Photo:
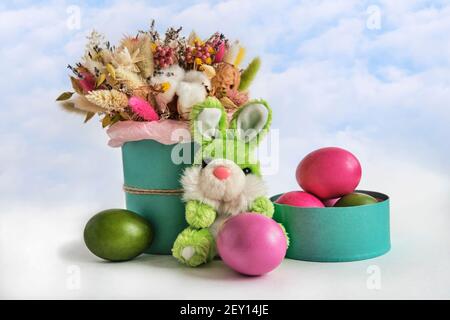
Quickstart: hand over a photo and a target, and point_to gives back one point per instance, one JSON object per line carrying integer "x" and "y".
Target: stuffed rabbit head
{"x": 225, "y": 169}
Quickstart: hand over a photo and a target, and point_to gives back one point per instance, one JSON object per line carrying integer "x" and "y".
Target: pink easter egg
{"x": 330, "y": 202}
{"x": 300, "y": 199}
{"x": 251, "y": 244}
{"x": 329, "y": 173}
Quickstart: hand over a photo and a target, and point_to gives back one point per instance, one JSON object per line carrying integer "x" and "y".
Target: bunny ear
{"x": 208, "y": 120}
{"x": 252, "y": 121}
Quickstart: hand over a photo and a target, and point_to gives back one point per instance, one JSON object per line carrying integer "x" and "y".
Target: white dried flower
{"x": 123, "y": 59}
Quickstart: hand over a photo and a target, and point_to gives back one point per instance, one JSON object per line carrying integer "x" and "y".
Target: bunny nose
{"x": 221, "y": 172}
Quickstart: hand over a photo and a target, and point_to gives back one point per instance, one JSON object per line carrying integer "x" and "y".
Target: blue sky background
{"x": 382, "y": 93}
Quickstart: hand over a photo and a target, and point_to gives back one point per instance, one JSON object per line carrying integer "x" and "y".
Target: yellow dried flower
{"x": 130, "y": 42}
{"x": 208, "y": 70}
{"x": 198, "y": 41}
{"x": 130, "y": 79}
{"x": 165, "y": 86}
{"x": 101, "y": 78}
{"x": 82, "y": 103}
{"x": 111, "y": 100}
{"x": 111, "y": 71}
{"x": 145, "y": 63}
{"x": 239, "y": 57}
{"x": 198, "y": 61}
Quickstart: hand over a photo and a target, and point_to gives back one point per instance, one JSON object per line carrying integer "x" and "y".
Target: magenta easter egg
{"x": 251, "y": 244}
{"x": 330, "y": 202}
{"x": 300, "y": 199}
{"x": 329, "y": 173}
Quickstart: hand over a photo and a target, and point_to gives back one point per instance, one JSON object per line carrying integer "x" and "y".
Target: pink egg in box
{"x": 300, "y": 199}
{"x": 329, "y": 173}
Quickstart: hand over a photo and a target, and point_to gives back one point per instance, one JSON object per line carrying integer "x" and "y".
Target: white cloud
{"x": 418, "y": 37}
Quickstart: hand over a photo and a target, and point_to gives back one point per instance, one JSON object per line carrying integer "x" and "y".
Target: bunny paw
{"x": 262, "y": 205}
{"x": 194, "y": 247}
{"x": 285, "y": 234}
{"x": 199, "y": 215}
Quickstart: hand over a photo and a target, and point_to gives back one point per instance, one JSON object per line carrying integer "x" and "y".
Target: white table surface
{"x": 42, "y": 256}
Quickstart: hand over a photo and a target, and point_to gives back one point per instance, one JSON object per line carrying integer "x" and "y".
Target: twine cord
{"x": 133, "y": 190}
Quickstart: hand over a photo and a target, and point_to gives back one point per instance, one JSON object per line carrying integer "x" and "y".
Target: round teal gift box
{"x": 152, "y": 187}
{"x": 336, "y": 234}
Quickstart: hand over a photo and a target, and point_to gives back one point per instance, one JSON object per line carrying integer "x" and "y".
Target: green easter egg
{"x": 117, "y": 235}
{"x": 355, "y": 199}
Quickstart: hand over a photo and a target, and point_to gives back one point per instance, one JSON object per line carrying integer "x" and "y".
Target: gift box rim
{"x": 383, "y": 197}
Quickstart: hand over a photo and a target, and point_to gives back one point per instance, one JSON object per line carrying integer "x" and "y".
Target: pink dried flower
{"x": 238, "y": 98}
{"x": 164, "y": 56}
{"x": 142, "y": 108}
{"x": 221, "y": 48}
{"x": 87, "y": 81}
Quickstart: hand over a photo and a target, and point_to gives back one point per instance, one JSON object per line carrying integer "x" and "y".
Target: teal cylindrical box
{"x": 149, "y": 167}
{"x": 336, "y": 234}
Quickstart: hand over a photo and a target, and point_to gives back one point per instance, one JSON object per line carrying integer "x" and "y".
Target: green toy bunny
{"x": 225, "y": 179}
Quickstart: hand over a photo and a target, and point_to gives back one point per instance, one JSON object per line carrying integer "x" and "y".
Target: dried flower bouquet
{"x": 148, "y": 77}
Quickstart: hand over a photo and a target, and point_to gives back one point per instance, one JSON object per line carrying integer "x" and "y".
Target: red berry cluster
{"x": 199, "y": 51}
{"x": 164, "y": 56}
